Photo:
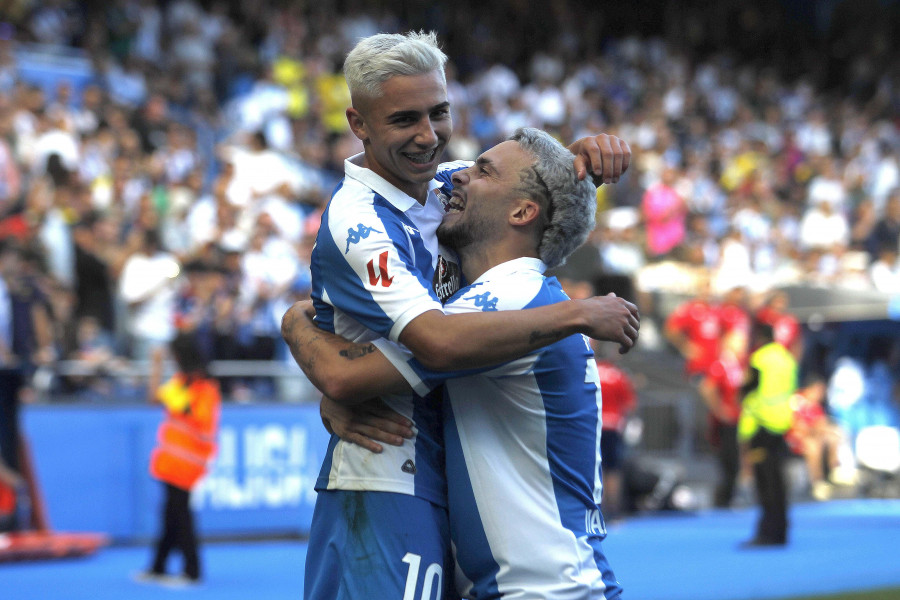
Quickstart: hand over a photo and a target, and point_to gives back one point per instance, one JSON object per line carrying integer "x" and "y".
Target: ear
{"x": 524, "y": 212}
{"x": 357, "y": 124}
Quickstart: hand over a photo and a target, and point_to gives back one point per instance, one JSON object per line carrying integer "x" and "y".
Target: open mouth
{"x": 455, "y": 204}
{"x": 423, "y": 158}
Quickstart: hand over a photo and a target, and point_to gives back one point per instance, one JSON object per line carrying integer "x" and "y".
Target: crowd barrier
{"x": 91, "y": 463}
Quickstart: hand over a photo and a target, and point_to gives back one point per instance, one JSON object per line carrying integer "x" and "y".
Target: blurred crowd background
{"x": 163, "y": 164}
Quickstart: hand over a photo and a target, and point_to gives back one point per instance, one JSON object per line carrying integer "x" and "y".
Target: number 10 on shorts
{"x": 432, "y": 588}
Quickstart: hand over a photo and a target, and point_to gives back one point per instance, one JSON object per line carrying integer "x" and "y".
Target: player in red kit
{"x": 734, "y": 318}
{"x": 720, "y": 389}
{"x": 619, "y": 401}
{"x": 785, "y": 326}
{"x": 694, "y": 328}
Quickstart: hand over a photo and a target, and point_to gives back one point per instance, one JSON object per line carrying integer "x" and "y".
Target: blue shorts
{"x": 365, "y": 545}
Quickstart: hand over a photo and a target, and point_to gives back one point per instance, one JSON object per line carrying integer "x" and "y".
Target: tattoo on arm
{"x": 357, "y": 351}
{"x": 542, "y": 336}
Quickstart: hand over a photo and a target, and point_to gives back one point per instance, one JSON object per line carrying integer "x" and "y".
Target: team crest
{"x": 444, "y": 198}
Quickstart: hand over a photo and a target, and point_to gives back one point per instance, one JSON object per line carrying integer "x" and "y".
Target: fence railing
{"x": 670, "y": 417}
{"x": 123, "y": 380}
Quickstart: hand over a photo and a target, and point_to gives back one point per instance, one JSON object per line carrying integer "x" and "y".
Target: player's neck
{"x": 476, "y": 259}
{"x": 418, "y": 191}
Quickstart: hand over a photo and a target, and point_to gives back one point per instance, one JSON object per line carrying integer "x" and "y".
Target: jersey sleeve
{"x": 446, "y": 170}
{"x": 419, "y": 377}
{"x": 371, "y": 264}
{"x": 472, "y": 299}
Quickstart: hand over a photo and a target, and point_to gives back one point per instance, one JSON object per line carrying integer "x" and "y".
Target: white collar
{"x": 401, "y": 200}
{"x": 524, "y": 263}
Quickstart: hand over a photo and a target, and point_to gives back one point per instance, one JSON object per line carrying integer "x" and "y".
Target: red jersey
{"x": 701, "y": 323}
{"x": 785, "y": 327}
{"x": 727, "y": 374}
{"x": 734, "y": 318}
{"x": 618, "y": 395}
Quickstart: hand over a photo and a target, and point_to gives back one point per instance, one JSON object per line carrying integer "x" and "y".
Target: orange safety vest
{"x": 187, "y": 438}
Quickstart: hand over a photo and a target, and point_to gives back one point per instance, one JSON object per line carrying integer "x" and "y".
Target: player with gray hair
{"x": 529, "y": 427}
{"x": 572, "y": 210}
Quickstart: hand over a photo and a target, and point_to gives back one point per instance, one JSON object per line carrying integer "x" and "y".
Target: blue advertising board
{"x": 91, "y": 463}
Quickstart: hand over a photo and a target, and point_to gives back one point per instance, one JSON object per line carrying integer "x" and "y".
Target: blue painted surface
{"x": 92, "y": 465}
{"x": 835, "y": 546}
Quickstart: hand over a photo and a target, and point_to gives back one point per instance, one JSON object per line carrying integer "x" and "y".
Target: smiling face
{"x": 485, "y": 196}
{"x": 405, "y": 130}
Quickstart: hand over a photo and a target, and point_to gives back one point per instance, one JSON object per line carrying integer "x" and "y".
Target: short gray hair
{"x": 377, "y": 58}
{"x": 571, "y": 205}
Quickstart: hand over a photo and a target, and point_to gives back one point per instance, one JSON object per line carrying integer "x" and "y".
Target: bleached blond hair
{"x": 377, "y": 58}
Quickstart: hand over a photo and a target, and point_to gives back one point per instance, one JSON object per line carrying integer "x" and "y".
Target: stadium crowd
{"x": 177, "y": 182}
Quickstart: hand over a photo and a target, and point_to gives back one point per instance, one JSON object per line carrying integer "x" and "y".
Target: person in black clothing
{"x": 886, "y": 232}
{"x": 93, "y": 280}
{"x": 25, "y": 343}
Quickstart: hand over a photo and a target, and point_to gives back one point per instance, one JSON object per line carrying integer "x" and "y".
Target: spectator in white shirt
{"x": 147, "y": 286}
{"x": 885, "y": 271}
{"x": 822, "y": 227}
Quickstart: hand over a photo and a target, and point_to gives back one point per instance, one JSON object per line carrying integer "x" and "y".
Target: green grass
{"x": 885, "y": 594}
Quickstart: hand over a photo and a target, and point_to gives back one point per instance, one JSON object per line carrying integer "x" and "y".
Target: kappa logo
{"x": 484, "y": 301}
{"x": 411, "y": 230}
{"x": 382, "y": 274}
{"x": 361, "y": 233}
{"x": 409, "y": 467}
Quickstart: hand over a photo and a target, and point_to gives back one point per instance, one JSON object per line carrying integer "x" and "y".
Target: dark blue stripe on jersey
{"x": 417, "y": 255}
{"x": 573, "y": 424}
{"x": 477, "y": 557}
{"x": 430, "y": 447}
{"x": 572, "y": 417}
{"x": 613, "y": 588}
{"x": 324, "y": 311}
{"x": 325, "y": 471}
{"x": 331, "y": 273}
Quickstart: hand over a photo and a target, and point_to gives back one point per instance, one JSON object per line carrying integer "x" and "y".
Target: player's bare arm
{"x": 472, "y": 340}
{"x": 346, "y": 371}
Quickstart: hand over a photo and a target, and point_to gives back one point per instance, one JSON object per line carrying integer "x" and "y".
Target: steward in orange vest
{"x": 186, "y": 439}
{"x": 186, "y": 444}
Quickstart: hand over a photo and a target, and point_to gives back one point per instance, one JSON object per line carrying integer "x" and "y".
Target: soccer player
{"x": 786, "y": 328}
{"x": 377, "y": 272}
{"x": 522, "y": 438}
{"x": 720, "y": 389}
{"x": 694, "y": 328}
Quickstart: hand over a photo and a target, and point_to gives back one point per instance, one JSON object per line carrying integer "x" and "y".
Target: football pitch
{"x": 838, "y": 550}
{"x": 884, "y": 594}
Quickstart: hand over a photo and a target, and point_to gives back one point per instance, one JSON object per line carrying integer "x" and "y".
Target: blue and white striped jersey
{"x": 373, "y": 270}
{"x": 523, "y": 456}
